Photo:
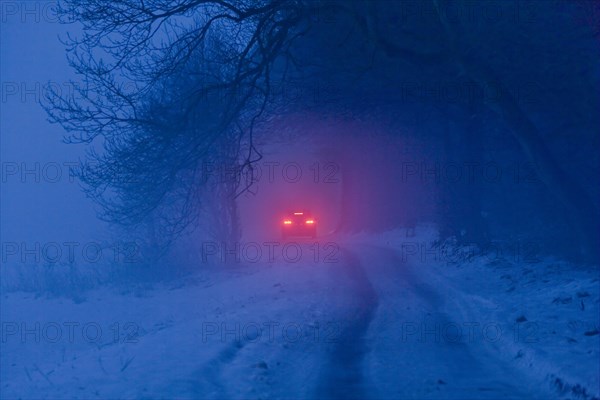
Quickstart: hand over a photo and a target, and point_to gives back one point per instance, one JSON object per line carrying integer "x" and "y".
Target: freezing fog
{"x": 299, "y": 199}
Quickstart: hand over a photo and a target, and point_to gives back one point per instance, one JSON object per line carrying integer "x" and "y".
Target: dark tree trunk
{"x": 460, "y": 198}
{"x": 347, "y": 196}
{"x": 474, "y": 225}
{"x": 580, "y": 211}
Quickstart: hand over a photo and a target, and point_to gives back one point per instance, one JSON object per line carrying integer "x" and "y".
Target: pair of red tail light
{"x": 289, "y": 221}
{"x": 297, "y": 214}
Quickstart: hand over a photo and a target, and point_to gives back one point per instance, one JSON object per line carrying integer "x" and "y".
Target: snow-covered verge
{"x": 550, "y": 312}
{"x": 218, "y": 334}
{"x": 57, "y": 279}
{"x": 537, "y": 316}
{"x": 373, "y": 316}
{"x": 65, "y": 270}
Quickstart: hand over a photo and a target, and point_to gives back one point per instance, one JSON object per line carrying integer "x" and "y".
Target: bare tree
{"x": 133, "y": 52}
{"x": 168, "y": 87}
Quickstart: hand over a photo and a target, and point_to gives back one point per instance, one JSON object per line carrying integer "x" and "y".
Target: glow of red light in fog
{"x": 298, "y": 213}
{"x": 287, "y": 222}
{"x": 310, "y": 221}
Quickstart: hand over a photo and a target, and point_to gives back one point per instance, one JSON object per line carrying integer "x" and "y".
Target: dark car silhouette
{"x": 299, "y": 224}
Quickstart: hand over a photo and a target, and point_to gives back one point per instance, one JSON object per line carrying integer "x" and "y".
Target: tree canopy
{"x": 167, "y": 85}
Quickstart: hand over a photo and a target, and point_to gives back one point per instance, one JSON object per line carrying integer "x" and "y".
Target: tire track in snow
{"x": 206, "y": 382}
{"x": 468, "y": 369}
{"x": 343, "y": 376}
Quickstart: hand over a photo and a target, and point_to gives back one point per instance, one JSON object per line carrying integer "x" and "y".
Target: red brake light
{"x": 310, "y": 221}
{"x": 287, "y": 222}
{"x": 298, "y": 213}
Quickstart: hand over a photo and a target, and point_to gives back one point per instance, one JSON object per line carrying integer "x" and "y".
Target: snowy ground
{"x": 370, "y": 318}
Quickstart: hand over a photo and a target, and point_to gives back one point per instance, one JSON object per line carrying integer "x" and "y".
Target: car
{"x": 299, "y": 223}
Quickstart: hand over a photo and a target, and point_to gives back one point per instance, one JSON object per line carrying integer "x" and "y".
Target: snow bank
{"x": 540, "y": 316}
{"x": 224, "y": 333}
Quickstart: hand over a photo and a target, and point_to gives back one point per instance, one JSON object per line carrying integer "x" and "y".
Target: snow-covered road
{"x": 343, "y": 377}
{"x": 365, "y": 325}
{"x": 419, "y": 345}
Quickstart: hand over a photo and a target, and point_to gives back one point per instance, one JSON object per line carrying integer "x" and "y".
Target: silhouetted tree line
{"x": 171, "y": 84}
